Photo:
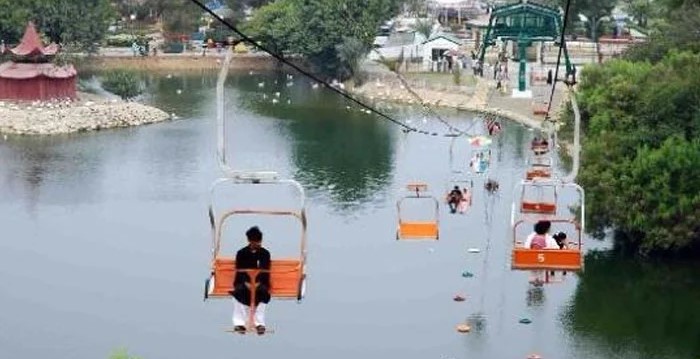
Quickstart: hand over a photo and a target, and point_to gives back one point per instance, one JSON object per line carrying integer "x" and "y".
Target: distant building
{"x": 31, "y": 75}
{"x": 456, "y": 11}
{"x": 436, "y": 48}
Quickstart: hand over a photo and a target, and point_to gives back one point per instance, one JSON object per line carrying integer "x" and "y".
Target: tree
{"x": 314, "y": 28}
{"x": 424, "y": 27}
{"x": 180, "y": 16}
{"x": 416, "y": 7}
{"x": 83, "y": 23}
{"x": 123, "y": 83}
{"x": 642, "y": 157}
{"x": 274, "y": 26}
{"x": 595, "y": 11}
{"x": 677, "y": 29}
{"x": 641, "y": 10}
{"x": 12, "y": 23}
{"x": 350, "y": 52}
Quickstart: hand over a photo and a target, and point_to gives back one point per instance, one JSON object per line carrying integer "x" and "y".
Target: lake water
{"x": 106, "y": 243}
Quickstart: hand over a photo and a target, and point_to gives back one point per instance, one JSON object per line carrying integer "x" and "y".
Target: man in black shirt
{"x": 453, "y": 199}
{"x": 252, "y": 256}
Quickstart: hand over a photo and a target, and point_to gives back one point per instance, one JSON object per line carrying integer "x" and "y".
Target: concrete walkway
{"x": 521, "y": 109}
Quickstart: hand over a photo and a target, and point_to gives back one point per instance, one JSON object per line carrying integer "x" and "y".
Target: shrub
{"x": 123, "y": 83}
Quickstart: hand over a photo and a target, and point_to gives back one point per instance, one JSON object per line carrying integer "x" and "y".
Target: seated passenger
{"x": 479, "y": 163}
{"x": 454, "y": 198}
{"x": 494, "y": 128}
{"x": 561, "y": 239}
{"x": 540, "y": 238}
{"x": 466, "y": 201}
{"x": 252, "y": 256}
{"x": 491, "y": 186}
{"x": 539, "y": 146}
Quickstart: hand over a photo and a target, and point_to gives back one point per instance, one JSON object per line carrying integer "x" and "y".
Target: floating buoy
{"x": 525, "y": 321}
{"x": 473, "y": 250}
{"x": 463, "y": 328}
{"x": 467, "y": 274}
{"x": 459, "y": 298}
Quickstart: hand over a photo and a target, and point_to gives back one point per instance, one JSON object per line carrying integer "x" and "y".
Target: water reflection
{"x": 185, "y": 95}
{"x": 336, "y": 149}
{"x": 50, "y": 170}
{"x": 652, "y": 306}
{"x": 143, "y": 237}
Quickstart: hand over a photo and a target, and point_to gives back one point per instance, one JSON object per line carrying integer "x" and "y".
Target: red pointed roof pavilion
{"x": 31, "y": 76}
{"x": 31, "y": 44}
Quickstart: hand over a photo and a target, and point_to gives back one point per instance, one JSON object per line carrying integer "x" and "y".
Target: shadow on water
{"x": 627, "y": 302}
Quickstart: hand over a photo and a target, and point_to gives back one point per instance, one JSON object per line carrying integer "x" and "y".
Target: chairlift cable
{"x": 342, "y": 93}
{"x": 456, "y": 131}
{"x": 561, "y": 49}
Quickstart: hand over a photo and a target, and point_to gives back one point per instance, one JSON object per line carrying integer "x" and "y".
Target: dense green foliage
{"x": 677, "y": 29}
{"x": 316, "y": 28}
{"x": 595, "y": 11}
{"x": 82, "y": 23}
{"x": 654, "y": 309}
{"x": 641, "y": 165}
{"x": 12, "y": 23}
{"x": 123, "y": 83}
{"x": 641, "y": 151}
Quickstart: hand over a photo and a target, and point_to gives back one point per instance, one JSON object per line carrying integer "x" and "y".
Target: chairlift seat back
{"x": 286, "y": 277}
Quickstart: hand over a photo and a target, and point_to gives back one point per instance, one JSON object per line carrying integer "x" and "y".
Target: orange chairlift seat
{"x": 538, "y": 77}
{"x": 568, "y": 259}
{"x": 539, "y": 146}
{"x": 418, "y": 230}
{"x": 541, "y": 204}
{"x": 539, "y": 167}
{"x": 287, "y": 275}
{"x": 539, "y": 108}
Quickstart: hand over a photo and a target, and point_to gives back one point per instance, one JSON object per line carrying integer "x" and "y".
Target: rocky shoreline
{"x": 476, "y": 100}
{"x": 88, "y": 113}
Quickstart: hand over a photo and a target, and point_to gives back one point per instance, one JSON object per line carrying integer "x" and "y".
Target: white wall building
{"x": 435, "y": 47}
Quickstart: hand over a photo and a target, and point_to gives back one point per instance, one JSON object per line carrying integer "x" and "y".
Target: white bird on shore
{"x": 169, "y": 76}
{"x": 4, "y": 137}
{"x": 179, "y": 92}
{"x": 250, "y": 72}
{"x": 261, "y": 84}
{"x": 289, "y": 101}
{"x": 277, "y": 94}
{"x": 314, "y": 86}
{"x": 274, "y": 100}
{"x": 264, "y": 96}
{"x": 290, "y": 84}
